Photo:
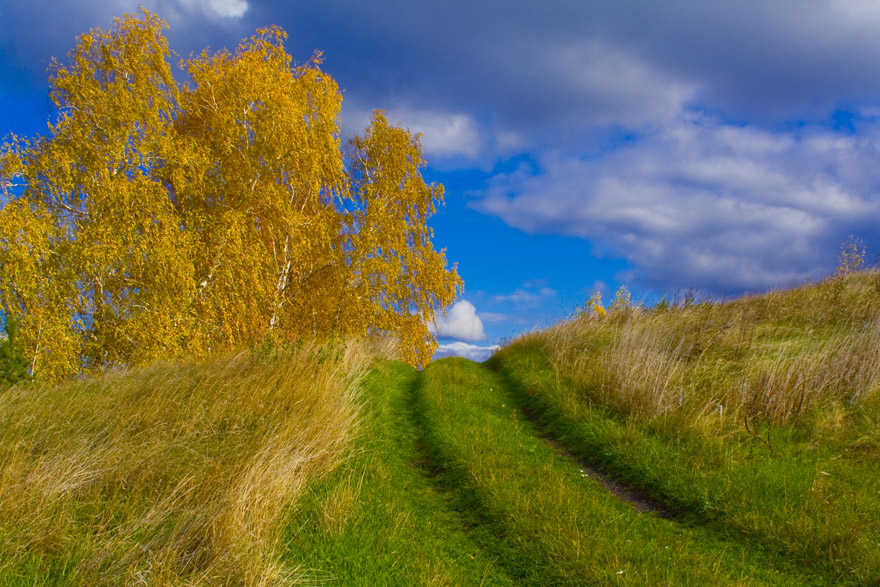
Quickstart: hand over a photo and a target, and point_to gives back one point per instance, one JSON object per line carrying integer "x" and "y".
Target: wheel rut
{"x": 628, "y": 493}
{"x": 625, "y": 492}
{"x": 511, "y": 477}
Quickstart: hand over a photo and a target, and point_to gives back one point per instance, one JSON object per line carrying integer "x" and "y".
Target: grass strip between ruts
{"x": 382, "y": 518}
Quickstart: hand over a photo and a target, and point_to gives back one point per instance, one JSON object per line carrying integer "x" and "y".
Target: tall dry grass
{"x": 770, "y": 358}
{"x": 174, "y": 473}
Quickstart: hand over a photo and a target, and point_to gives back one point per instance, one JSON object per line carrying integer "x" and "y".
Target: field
{"x": 694, "y": 443}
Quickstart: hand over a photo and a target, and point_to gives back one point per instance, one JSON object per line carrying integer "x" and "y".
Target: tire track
{"x": 543, "y": 418}
{"x": 627, "y": 493}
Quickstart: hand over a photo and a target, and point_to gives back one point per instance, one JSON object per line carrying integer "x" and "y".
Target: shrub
{"x": 593, "y": 307}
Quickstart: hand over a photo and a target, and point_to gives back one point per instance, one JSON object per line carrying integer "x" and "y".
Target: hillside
{"x": 757, "y": 418}
{"x": 176, "y": 473}
{"x": 700, "y": 443}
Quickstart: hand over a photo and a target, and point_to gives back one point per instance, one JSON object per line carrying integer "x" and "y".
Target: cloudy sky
{"x": 728, "y": 147}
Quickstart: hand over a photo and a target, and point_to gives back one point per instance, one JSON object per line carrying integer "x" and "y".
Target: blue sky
{"x": 727, "y": 147}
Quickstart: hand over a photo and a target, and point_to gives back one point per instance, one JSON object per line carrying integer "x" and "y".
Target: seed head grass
{"x": 778, "y": 358}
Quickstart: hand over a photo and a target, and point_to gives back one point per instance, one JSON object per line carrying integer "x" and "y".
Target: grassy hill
{"x": 702, "y": 443}
{"x": 757, "y": 418}
{"x": 177, "y": 473}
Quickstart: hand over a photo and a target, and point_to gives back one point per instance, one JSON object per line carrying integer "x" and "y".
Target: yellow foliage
{"x": 622, "y": 299}
{"x": 159, "y": 218}
{"x": 594, "y": 306}
{"x": 390, "y": 243}
{"x": 852, "y": 256}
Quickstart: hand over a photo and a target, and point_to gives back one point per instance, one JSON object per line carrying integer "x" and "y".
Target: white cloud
{"x": 176, "y": 12}
{"x": 704, "y": 203}
{"x": 468, "y": 351}
{"x": 213, "y": 8}
{"x": 528, "y": 295}
{"x": 228, "y": 8}
{"x": 445, "y": 134}
{"x": 461, "y": 322}
{"x": 613, "y": 86}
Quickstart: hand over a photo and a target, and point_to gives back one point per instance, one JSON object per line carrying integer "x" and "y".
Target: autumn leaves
{"x": 159, "y": 218}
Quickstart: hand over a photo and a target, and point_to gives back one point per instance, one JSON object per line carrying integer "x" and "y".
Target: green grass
{"x": 804, "y": 484}
{"x": 546, "y": 521}
{"x": 450, "y": 484}
{"x": 383, "y": 518}
{"x": 756, "y": 422}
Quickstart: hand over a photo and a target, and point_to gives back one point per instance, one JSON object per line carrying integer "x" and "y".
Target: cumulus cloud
{"x": 461, "y": 322}
{"x": 468, "y": 351}
{"x": 593, "y": 83}
{"x": 550, "y": 65}
{"x": 705, "y": 203}
{"x": 193, "y": 25}
{"x": 444, "y": 134}
{"x": 179, "y": 9}
{"x": 228, "y": 8}
{"x": 187, "y": 12}
{"x": 549, "y": 71}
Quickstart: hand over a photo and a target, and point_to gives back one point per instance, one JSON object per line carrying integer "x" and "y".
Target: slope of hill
{"x": 176, "y": 473}
{"x": 758, "y": 417}
{"x": 747, "y": 433}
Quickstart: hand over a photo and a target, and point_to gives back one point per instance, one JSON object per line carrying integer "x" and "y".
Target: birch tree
{"x": 158, "y": 218}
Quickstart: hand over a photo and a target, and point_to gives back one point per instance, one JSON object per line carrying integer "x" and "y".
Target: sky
{"x": 724, "y": 147}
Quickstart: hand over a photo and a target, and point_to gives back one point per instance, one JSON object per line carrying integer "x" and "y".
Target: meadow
{"x": 690, "y": 443}
{"x": 756, "y": 418}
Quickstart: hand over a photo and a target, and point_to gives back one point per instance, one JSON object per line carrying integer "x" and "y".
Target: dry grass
{"x": 175, "y": 473}
{"x": 770, "y": 358}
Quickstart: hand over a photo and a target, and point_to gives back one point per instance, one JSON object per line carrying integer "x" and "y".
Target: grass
{"x": 176, "y": 473}
{"x": 382, "y": 518}
{"x": 756, "y": 422}
{"x": 543, "y": 517}
{"x": 756, "y": 418}
{"x": 779, "y": 358}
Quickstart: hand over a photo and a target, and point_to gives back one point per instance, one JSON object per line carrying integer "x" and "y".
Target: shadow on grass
{"x": 451, "y": 480}
{"x": 553, "y": 427}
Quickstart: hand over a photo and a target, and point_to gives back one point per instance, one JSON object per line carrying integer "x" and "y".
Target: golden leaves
{"x": 392, "y": 257}
{"x": 159, "y": 219}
